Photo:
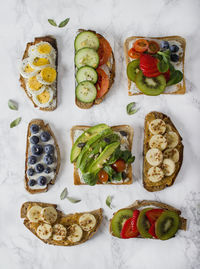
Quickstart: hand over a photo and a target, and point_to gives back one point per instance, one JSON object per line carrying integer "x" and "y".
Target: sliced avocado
{"x": 75, "y": 151}
{"x": 98, "y": 163}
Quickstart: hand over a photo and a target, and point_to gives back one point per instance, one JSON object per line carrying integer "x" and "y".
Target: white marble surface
{"x": 20, "y": 22}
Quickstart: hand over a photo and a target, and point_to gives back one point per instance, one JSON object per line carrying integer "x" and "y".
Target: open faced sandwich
{"x": 38, "y": 72}
{"x": 94, "y": 67}
{"x": 147, "y": 219}
{"x": 155, "y": 65}
{"x": 42, "y": 157}
{"x": 56, "y": 228}
{"x": 102, "y": 154}
{"x": 163, "y": 152}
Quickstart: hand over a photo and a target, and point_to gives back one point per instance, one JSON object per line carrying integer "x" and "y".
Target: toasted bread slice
{"x": 53, "y": 43}
{"x": 167, "y": 180}
{"x": 65, "y": 220}
{"x": 110, "y": 67}
{"x": 174, "y": 89}
{"x": 44, "y": 127}
{"x": 126, "y": 128}
{"x": 146, "y": 203}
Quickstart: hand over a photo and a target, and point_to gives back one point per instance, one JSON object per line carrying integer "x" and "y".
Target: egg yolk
{"x": 48, "y": 74}
{"x": 44, "y": 97}
{"x": 44, "y": 49}
{"x": 40, "y": 61}
{"x": 34, "y": 84}
{"x": 28, "y": 69}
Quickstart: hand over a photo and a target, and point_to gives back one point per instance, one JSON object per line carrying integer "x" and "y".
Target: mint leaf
{"x": 12, "y": 105}
{"x": 108, "y": 201}
{"x": 15, "y": 122}
{"x": 63, "y": 194}
{"x": 52, "y": 22}
{"x": 73, "y": 200}
{"x": 175, "y": 78}
{"x": 130, "y": 108}
{"x": 64, "y": 23}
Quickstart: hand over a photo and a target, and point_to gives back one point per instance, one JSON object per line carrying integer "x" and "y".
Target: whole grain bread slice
{"x": 65, "y": 219}
{"x": 166, "y": 181}
{"x": 44, "y": 127}
{"x": 53, "y": 42}
{"x": 126, "y": 128}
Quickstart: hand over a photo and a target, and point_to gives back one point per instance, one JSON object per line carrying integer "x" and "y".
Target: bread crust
{"x": 166, "y": 181}
{"x": 180, "y": 89}
{"x": 64, "y": 219}
{"x": 126, "y": 128}
{"x": 44, "y": 127}
{"x": 53, "y": 42}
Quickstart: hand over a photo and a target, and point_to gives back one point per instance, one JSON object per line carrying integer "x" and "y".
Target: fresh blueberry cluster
{"x": 173, "y": 49}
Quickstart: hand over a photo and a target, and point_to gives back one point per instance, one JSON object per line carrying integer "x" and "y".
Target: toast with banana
{"x": 163, "y": 152}
{"x": 147, "y": 219}
{"x": 54, "y": 227}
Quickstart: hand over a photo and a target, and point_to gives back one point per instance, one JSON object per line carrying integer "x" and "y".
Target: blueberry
{"x": 32, "y": 182}
{"x": 32, "y": 159}
{"x": 107, "y": 140}
{"x": 39, "y": 168}
{"x": 174, "y": 57}
{"x": 42, "y": 181}
{"x": 173, "y": 48}
{"x": 31, "y": 171}
{"x": 48, "y": 159}
{"x": 49, "y": 149}
{"x": 37, "y": 149}
{"x": 47, "y": 170}
{"x": 123, "y": 133}
{"x": 164, "y": 45}
{"x": 34, "y": 128}
{"x": 45, "y": 136}
{"x": 81, "y": 145}
{"x": 34, "y": 139}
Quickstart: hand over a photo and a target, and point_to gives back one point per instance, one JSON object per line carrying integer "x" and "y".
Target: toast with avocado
{"x": 94, "y": 68}
{"x": 163, "y": 152}
{"x": 147, "y": 219}
{"x": 102, "y": 154}
{"x": 155, "y": 65}
{"x": 54, "y": 227}
{"x": 38, "y": 72}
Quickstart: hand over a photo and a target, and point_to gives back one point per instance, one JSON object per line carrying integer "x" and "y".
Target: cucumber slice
{"x": 86, "y": 56}
{"x": 86, "y": 92}
{"x": 86, "y": 40}
{"x": 86, "y": 73}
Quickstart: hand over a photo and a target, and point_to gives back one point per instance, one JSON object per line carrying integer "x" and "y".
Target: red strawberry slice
{"x": 152, "y": 230}
{"x": 134, "y": 220}
{"x": 154, "y": 214}
{"x": 129, "y": 229}
{"x": 167, "y": 75}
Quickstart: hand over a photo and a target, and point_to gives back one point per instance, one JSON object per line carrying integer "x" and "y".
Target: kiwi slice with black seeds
{"x": 119, "y": 219}
{"x": 167, "y": 225}
{"x": 143, "y": 224}
{"x": 133, "y": 69}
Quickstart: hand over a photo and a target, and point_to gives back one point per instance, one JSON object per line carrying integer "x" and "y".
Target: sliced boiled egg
{"x": 26, "y": 70}
{"x": 47, "y": 75}
{"x": 34, "y": 86}
{"x": 40, "y": 62}
{"x": 45, "y": 98}
{"x": 42, "y": 49}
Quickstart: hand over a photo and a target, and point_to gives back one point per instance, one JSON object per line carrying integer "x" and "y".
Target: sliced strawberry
{"x": 127, "y": 231}
{"x": 152, "y": 230}
{"x": 151, "y": 75}
{"x": 147, "y": 60}
{"x": 134, "y": 220}
{"x": 167, "y": 75}
{"x": 154, "y": 214}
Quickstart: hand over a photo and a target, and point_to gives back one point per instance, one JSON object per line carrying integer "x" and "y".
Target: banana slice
{"x": 33, "y": 213}
{"x": 154, "y": 157}
{"x": 49, "y": 214}
{"x": 59, "y": 232}
{"x": 44, "y": 231}
{"x": 157, "y": 126}
{"x": 158, "y": 141}
{"x": 87, "y": 222}
{"x": 155, "y": 174}
{"x": 172, "y": 154}
{"x": 172, "y": 139}
{"x": 168, "y": 128}
{"x": 168, "y": 167}
{"x": 75, "y": 233}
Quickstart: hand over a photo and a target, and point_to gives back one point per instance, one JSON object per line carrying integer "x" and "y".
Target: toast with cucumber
{"x": 102, "y": 154}
{"x": 54, "y": 227}
{"x": 94, "y": 68}
{"x": 163, "y": 152}
{"x": 147, "y": 219}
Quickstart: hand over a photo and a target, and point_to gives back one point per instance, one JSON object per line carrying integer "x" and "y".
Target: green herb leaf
{"x": 130, "y": 108}
{"x": 52, "y": 22}
{"x": 109, "y": 171}
{"x": 115, "y": 156}
{"x": 90, "y": 178}
{"x": 108, "y": 201}
{"x": 118, "y": 176}
{"x": 73, "y": 200}
{"x": 12, "y": 105}
{"x": 163, "y": 65}
{"x": 15, "y": 122}
{"x": 175, "y": 78}
{"x": 131, "y": 159}
{"x": 171, "y": 68}
{"x": 63, "y": 194}
{"x": 64, "y": 23}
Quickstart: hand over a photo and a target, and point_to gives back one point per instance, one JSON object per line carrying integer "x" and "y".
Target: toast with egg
{"x": 56, "y": 228}
{"x": 165, "y": 144}
{"x": 52, "y": 104}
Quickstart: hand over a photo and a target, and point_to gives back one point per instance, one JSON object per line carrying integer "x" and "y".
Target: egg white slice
{"x": 35, "y": 92}
{"x": 34, "y": 62}
{"x": 42, "y": 75}
{"x": 45, "y": 98}
{"x": 25, "y": 69}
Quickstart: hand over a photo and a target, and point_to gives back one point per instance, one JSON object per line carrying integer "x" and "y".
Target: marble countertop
{"x": 23, "y": 20}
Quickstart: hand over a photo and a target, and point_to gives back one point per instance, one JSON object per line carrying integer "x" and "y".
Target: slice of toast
{"x": 178, "y": 88}
{"x": 44, "y": 127}
{"x": 111, "y": 67}
{"x": 62, "y": 218}
{"x": 126, "y": 128}
{"x": 146, "y": 203}
{"x": 53, "y": 43}
{"x": 167, "y": 180}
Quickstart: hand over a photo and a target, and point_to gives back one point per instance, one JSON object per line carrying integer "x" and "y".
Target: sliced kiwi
{"x": 119, "y": 219}
{"x": 150, "y": 86}
{"x": 167, "y": 225}
{"x": 133, "y": 69}
{"x": 143, "y": 224}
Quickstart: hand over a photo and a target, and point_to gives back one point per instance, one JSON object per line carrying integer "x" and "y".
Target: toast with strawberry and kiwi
{"x": 56, "y": 228}
{"x": 163, "y": 152}
{"x": 38, "y": 72}
{"x": 155, "y": 65}
{"x": 42, "y": 162}
{"x": 147, "y": 219}
{"x": 102, "y": 154}
{"x": 94, "y": 68}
